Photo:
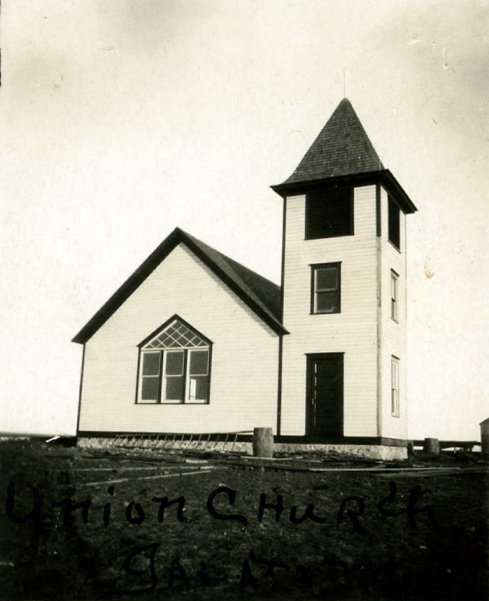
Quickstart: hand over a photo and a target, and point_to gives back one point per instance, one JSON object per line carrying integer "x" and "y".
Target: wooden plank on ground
{"x": 203, "y": 470}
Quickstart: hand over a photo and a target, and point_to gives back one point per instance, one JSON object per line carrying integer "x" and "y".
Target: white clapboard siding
{"x": 393, "y": 340}
{"x": 352, "y": 332}
{"x": 244, "y": 372}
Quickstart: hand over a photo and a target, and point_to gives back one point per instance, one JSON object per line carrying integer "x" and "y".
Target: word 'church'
{"x": 195, "y": 343}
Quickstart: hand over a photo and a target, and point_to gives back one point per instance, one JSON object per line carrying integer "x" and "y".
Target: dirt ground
{"x": 158, "y": 525}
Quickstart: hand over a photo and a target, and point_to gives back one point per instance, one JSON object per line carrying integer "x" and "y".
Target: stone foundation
{"x": 114, "y": 444}
{"x": 337, "y": 451}
{"x": 348, "y": 451}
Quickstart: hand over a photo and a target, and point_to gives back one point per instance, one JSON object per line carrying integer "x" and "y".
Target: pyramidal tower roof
{"x": 343, "y": 151}
{"x": 341, "y": 148}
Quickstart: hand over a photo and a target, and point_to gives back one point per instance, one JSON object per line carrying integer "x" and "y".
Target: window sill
{"x": 394, "y": 246}
{"x": 307, "y": 238}
{"x": 156, "y": 404}
{"x": 325, "y": 313}
{"x": 186, "y": 403}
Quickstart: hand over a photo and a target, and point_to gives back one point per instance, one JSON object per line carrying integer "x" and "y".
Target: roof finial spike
{"x": 344, "y": 82}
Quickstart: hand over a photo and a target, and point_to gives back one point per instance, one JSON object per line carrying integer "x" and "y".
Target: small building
{"x": 194, "y": 342}
{"x": 485, "y": 436}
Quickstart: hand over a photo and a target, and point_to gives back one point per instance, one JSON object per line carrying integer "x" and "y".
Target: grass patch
{"x": 365, "y": 535}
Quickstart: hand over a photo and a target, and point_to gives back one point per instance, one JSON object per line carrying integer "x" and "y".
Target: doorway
{"x": 325, "y": 394}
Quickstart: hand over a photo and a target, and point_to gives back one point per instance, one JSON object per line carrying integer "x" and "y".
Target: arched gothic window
{"x": 174, "y": 365}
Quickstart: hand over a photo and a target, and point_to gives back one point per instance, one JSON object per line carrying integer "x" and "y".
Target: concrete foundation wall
{"x": 353, "y": 451}
{"x": 349, "y": 451}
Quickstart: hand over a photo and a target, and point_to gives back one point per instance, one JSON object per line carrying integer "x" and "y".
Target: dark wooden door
{"x": 325, "y": 394}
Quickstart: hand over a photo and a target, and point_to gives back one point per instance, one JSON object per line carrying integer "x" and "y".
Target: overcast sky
{"x": 123, "y": 119}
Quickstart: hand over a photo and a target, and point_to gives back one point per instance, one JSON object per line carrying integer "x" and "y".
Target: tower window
{"x": 329, "y": 213}
{"x": 394, "y": 223}
{"x": 394, "y": 296}
{"x": 326, "y": 288}
{"x": 395, "y": 409}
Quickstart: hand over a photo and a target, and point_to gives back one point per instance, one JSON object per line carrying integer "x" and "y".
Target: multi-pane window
{"x": 326, "y": 288}
{"x": 394, "y": 223}
{"x": 329, "y": 213}
{"x": 198, "y": 379}
{"x": 394, "y": 296}
{"x": 395, "y": 409}
{"x": 174, "y": 376}
{"x": 175, "y": 366}
{"x": 150, "y": 376}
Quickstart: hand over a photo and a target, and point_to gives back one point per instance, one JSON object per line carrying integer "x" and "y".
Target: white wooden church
{"x": 194, "y": 342}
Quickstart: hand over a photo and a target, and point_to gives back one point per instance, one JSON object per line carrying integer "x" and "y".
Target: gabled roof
{"x": 261, "y": 295}
{"x": 342, "y": 150}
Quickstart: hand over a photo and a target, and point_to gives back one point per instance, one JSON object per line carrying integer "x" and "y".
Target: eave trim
{"x": 384, "y": 176}
{"x": 146, "y": 269}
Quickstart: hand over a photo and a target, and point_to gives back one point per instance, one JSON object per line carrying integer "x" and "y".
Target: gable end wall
{"x": 243, "y": 388}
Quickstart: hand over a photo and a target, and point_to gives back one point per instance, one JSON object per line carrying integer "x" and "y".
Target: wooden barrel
{"x": 431, "y": 446}
{"x": 262, "y": 442}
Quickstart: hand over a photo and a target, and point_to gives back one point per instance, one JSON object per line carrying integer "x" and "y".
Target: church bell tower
{"x": 343, "y": 362}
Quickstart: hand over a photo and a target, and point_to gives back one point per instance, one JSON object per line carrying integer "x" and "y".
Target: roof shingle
{"x": 341, "y": 148}
{"x": 261, "y": 295}
{"x": 265, "y": 292}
